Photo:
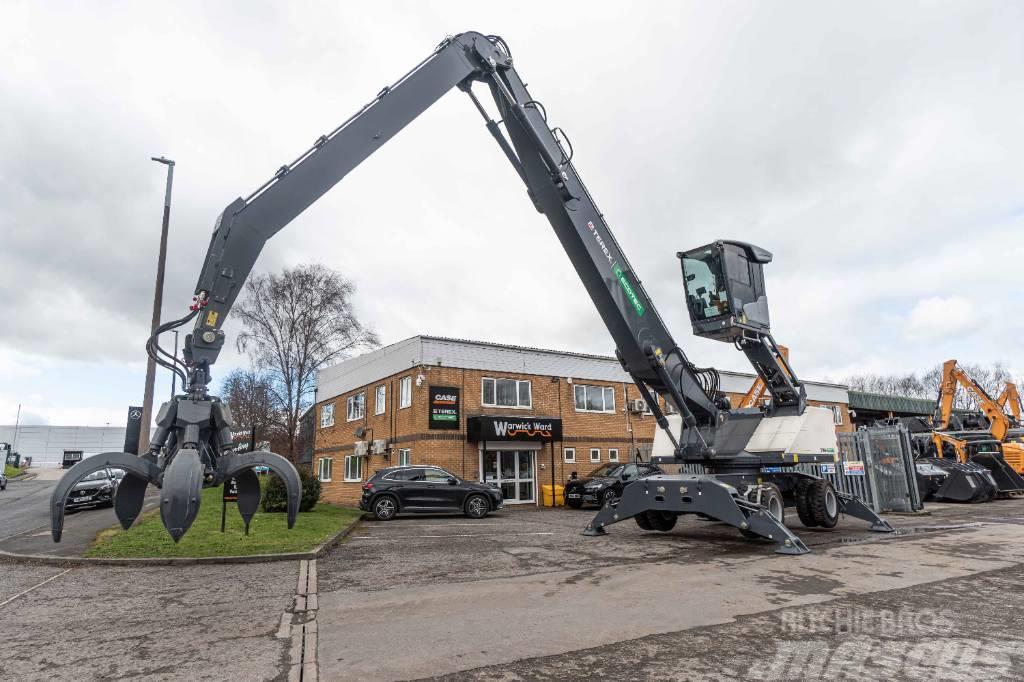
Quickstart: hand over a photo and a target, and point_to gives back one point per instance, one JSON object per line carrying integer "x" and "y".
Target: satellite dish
{"x": 360, "y": 432}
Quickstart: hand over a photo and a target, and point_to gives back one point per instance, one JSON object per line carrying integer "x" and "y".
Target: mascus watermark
{"x": 875, "y": 622}
{"x": 868, "y": 658}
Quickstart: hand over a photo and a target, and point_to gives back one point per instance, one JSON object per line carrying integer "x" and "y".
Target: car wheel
{"x": 575, "y": 503}
{"x": 609, "y": 498}
{"x": 477, "y": 507}
{"x": 824, "y": 503}
{"x": 385, "y": 508}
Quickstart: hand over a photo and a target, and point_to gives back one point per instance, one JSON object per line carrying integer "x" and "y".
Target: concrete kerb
{"x": 53, "y": 560}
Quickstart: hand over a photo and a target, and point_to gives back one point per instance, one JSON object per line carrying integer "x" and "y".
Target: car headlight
{"x": 593, "y": 486}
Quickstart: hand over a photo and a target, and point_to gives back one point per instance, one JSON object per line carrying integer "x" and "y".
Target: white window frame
{"x": 330, "y": 469}
{"x": 592, "y": 452}
{"x": 494, "y": 403}
{"x": 404, "y": 392}
{"x": 353, "y": 400}
{"x": 381, "y": 399}
{"x": 405, "y": 457}
{"x": 613, "y": 454}
{"x": 353, "y": 465}
{"x": 326, "y": 415}
{"x": 569, "y": 455}
{"x": 604, "y": 398}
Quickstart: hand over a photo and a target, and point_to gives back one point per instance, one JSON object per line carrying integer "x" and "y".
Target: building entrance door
{"x": 513, "y": 472}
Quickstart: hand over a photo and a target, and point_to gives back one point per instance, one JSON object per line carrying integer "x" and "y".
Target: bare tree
{"x": 927, "y": 385}
{"x": 295, "y": 323}
{"x": 250, "y": 394}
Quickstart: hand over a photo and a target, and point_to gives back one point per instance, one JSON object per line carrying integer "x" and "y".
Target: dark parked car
{"x": 604, "y": 484}
{"x": 426, "y": 490}
{"x": 96, "y": 489}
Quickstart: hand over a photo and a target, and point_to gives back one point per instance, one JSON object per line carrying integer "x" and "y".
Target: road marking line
{"x": 52, "y": 577}
{"x": 454, "y": 535}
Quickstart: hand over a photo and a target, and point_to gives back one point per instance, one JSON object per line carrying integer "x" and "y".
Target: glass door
{"x": 512, "y": 471}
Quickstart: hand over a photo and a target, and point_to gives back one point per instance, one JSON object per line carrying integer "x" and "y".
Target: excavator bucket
{"x": 946, "y": 480}
{"x": 1007, "y": 480}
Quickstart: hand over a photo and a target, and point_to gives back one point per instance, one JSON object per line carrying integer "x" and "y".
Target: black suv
{"x": 425, "y": 490}
{"x": 604, "y": 484}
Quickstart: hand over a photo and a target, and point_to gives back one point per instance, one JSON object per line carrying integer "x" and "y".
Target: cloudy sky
{"x": 875, "y": 148}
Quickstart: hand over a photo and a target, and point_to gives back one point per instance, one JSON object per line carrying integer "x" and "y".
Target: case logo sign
{"x": 618, "y": 271}
{"x": 444, "y": 408}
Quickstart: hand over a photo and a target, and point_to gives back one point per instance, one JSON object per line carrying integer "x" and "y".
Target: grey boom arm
{"x": 644, "y": 345}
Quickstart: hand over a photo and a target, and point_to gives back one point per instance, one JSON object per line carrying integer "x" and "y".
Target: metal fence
{"x": 876, "y": 465}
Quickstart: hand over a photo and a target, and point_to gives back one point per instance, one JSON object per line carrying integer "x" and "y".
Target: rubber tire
{"x": 477, "y": 515}
{"x": 818, "y": 493}
{"x": 803, "y": 504}
{"x": 642, "y": 521}
{"x": 376, "y": 508}
{"x": 610, "y": 493}
{"x": 575, "y": 504}
{"x": 662, "y": 521}
{"x": 766, "y": 497}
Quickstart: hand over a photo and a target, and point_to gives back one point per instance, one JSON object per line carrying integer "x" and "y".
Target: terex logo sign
{"x": 618, "y": 272}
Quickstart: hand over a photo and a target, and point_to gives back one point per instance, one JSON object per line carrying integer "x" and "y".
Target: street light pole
{"x": 158, "y": 297}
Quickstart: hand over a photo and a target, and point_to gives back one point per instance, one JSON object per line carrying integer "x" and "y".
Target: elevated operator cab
{"x": 725, "y": 290}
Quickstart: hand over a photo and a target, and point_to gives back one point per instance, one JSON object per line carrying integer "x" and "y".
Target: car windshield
{"x": 610, "y": 470}
{"x": 101, "y": 475}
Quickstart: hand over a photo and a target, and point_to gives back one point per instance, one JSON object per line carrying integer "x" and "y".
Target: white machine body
{"x": 811, "y": 433}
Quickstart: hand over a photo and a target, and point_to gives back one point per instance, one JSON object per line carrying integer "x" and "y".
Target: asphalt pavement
{"x": 522, "y": 595}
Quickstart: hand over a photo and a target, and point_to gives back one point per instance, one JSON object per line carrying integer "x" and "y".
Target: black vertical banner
{"x": 444, "y": 408}
{"x": 134, "y": 428}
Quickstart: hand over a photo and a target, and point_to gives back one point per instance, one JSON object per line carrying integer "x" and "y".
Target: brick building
{"x": 518, "y": 417}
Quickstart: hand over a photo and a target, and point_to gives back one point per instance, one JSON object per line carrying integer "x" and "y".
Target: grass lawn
{"x": 10, "y": 471}
{"x": 268, "y": 533}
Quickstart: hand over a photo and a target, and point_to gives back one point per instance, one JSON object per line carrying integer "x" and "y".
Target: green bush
{"x": 275, "y": 496}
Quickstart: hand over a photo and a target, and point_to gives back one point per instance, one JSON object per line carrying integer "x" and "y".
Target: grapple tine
{"x": 248, "y": 495}
{"x": 230, "y": 465}
{"x": 132, "y": 464}
{"x": 179, "y": 497}
{"x": 128, "y": 499}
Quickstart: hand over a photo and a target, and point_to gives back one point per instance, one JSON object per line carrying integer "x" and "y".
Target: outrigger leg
{"x": 661, "y": 499}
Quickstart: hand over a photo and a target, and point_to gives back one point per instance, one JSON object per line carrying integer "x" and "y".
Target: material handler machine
{"x": 748, "y": 453}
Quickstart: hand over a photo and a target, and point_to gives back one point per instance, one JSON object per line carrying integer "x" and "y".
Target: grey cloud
{"x": 860, "y": 143}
